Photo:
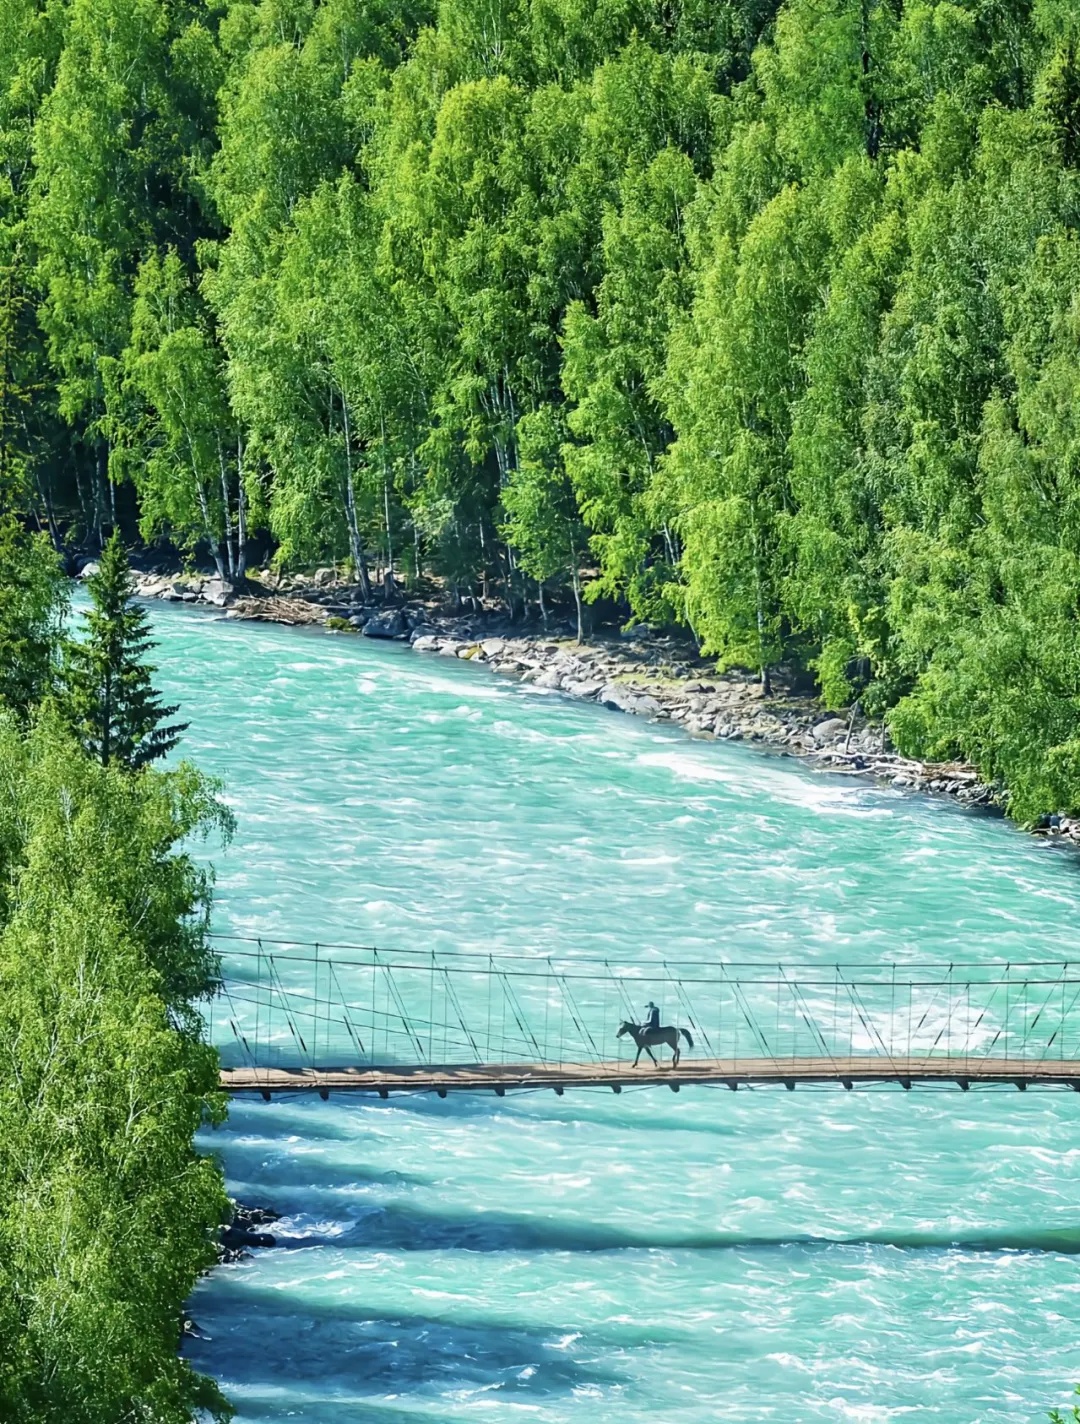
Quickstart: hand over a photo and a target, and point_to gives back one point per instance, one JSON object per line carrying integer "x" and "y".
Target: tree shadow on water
{"x": 400, "y": 1225}
{"x": 285, "y": 1120}
{"x": 272, "y": 1168}
{"x": 269, "y": 1407}
{"x": 403, "y": 1226}
{"x": 272, "y": 1340}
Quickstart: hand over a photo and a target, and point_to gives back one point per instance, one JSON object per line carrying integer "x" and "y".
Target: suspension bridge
{"x": 293, "y": 1017}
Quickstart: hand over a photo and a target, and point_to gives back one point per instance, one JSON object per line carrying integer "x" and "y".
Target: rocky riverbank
{"x": 242, "y": 1232}
{"x": 237, "y": 1237}
{"x": 639, "y": 672}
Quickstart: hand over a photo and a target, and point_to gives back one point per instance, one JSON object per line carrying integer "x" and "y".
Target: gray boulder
{"x": 217, "y": 592}
{"x": 424, "y": 642}
{"x": 581, "y": 689}
{"x": 388, "y": 624}
{"x": 622, "y": 699}
{"x": 830, "y": 729}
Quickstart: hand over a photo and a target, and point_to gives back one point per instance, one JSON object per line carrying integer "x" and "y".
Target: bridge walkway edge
{"x": 906, "y": 1072}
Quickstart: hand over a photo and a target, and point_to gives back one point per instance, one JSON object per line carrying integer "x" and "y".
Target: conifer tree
{"x": 108, "y": 693}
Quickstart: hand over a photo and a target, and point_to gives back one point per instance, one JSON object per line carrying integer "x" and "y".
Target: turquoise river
{"x": 764, "y": 1255}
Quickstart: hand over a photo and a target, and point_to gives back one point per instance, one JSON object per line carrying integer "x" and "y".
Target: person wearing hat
{"x": 652, "y": 1023}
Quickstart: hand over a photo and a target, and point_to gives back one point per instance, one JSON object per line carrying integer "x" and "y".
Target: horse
{"x": 646, "y": 1038}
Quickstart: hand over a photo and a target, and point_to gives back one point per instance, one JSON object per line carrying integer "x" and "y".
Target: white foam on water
{"x": 650, "y": 1255}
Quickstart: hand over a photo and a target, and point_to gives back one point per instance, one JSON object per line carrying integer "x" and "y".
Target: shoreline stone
{"x": 240, "y": 1233}
{"x": 658, "y": 677}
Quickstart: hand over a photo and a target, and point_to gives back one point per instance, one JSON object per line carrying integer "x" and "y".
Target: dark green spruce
{"x": 108, "y": 694}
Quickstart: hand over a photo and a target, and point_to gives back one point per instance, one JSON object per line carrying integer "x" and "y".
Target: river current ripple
{"x": 712, "y": 1256}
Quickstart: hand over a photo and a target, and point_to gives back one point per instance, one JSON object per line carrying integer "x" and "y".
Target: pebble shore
{"x": 639, "y": 672}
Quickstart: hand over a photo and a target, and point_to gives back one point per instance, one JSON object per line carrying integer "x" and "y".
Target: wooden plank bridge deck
{"x": 942, "y": 1070}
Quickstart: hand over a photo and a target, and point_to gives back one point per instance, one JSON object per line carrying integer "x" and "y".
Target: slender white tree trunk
{"x": 241, "y": 514}
{"x": 356, "y": 548}
{"x": 576, "y": 575}
{"x": 226, "y": 502}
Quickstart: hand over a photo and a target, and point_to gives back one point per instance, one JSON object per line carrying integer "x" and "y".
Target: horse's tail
{"x": 686, "y": 1034}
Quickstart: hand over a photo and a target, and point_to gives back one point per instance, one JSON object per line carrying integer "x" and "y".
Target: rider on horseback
{"x": 649, "y": 1034}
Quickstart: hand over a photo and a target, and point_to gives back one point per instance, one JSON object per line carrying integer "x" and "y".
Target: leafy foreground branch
{"x": 107, "y": 1212}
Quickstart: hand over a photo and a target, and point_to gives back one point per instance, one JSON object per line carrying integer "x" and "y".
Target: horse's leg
{"x": 635, "y": 1063}
{"x": 649, "y": 1051}
{"x": 675, "y": 1056}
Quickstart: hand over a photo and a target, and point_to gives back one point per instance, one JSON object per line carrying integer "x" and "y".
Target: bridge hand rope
{"x": 451, "y": 994}
{"x": 519, "y": 1014}
{"x": 1030, "y": 1028}
{"x": 698, "y": 1028}
{"x": 741, "y": 1001}
{"x": 275, "y": 979}
{"x": 576, "y": 1017}
{"x": 804, "y": 1010}
{"x": 617, "y": 980}
{"x": 931, "y": 1006}
{"x": 354, "y": 1034}
{"x": 1065, "y": 1013}
{"x": 240, "y": 1037}
{"x": 870, "y": 1028}
{"x": 400, "y": 1004}
{"x": 628, "y": 1006}
{"x": 946, "y": 1027}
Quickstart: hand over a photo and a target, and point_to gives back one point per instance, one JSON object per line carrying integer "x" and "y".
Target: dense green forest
{"x": 757, "y": 316}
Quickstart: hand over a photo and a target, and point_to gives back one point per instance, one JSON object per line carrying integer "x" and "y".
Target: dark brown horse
{"x": 648, "y": 1038}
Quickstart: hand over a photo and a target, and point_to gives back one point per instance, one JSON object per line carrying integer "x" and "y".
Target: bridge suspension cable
{"x": 334, "y": 1015}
